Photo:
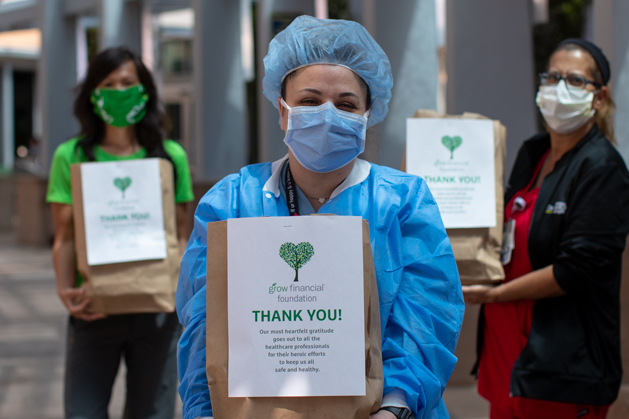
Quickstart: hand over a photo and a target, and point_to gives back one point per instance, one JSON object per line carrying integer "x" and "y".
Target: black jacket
{"x": 580, "y": 224}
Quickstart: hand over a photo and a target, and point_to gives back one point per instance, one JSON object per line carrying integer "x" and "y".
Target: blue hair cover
{"x": 308, "y": 40}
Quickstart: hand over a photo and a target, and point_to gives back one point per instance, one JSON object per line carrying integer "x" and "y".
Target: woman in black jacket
{"x": 549, "y": 335}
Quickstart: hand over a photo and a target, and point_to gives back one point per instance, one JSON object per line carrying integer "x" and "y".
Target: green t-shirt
{"x": 60, "y": 183}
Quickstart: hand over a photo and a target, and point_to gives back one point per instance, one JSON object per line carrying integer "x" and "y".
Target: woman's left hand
{"x": 479, "y": 294}
{"x": 383, "y": 414}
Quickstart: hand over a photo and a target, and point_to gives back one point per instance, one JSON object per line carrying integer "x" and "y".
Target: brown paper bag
{"x": 477, "y": 250}
{"x": 225, "y": 407}
{"x": 131, "y": 287}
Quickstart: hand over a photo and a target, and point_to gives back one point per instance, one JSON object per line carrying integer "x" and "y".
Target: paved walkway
{"x": 32, "y": 339}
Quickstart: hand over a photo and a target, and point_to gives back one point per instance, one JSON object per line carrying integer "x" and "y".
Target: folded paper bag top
{"x": 290, "y": 348}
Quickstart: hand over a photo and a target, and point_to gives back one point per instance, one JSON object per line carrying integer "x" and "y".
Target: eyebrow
{"x": 317, "y": 92}
{"x": 571, "y": 73}
{"x": 124, "y": 78}
{"x": 349, "y": 94}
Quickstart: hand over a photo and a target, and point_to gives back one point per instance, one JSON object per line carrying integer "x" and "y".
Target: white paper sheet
{"x": 124, "y": 217}
{"x": 456, "y": 159}
{"x": 291, "y": 337}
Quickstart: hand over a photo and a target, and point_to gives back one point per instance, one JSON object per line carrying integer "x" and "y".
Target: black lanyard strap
{"x": 291, "y": 193}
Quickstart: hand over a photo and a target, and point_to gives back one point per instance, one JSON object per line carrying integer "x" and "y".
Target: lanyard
{"x": 291, "y": 193}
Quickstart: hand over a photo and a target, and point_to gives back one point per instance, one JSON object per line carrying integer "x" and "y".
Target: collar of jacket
{"x": 530, "y": 154}
{"x": 538, "y": 145}
{"x": 359, "y": 173}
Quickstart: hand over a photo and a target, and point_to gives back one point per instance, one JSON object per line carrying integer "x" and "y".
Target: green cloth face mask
{"x": 120, "y": 108}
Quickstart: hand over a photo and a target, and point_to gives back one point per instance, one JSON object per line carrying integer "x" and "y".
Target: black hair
{"x": 293, "y": 73}
{"x": 149, "y": 131}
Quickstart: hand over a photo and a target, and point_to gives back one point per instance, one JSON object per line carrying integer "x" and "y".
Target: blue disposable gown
{"x": 421, "y": 304}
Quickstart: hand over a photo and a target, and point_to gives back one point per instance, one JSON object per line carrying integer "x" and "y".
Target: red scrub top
{"x": 507, "y": 326}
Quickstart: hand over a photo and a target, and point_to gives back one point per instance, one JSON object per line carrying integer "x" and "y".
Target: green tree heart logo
{"x": 451, "y": 143}
{"x": 296, "y": 256}
{"x": 122, "y": 184}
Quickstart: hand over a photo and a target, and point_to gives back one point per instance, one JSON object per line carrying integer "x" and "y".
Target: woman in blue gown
{"x": 330, "y": 81}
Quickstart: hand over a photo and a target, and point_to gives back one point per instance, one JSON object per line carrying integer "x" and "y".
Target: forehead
{"x": 124, "y": 70}
{"x": 326, "y": 77}
{"x": 572, "y": 61}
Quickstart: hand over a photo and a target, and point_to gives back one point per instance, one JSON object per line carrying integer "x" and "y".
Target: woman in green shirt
{"x": 118, "y": 109}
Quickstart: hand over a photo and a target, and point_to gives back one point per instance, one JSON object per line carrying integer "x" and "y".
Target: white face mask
{"x": 565, "y": 110}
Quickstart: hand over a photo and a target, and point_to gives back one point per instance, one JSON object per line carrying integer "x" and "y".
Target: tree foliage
{"x": 566, "y": 19}
{"x": 339, "y": 9}
{"x": 296, "y": 256}
{"x": 451, "y": 143}
{"x": 122, "y": 184}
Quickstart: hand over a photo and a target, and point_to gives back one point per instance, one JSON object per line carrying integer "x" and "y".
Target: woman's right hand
{"x": 64, "y": 260}
{"x": 76, "y": 303}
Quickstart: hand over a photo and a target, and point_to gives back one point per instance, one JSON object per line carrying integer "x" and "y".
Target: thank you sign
{"x": 456, "y": 159}
{"x": 123, "y": 211}
{"x": 295, "y": 306}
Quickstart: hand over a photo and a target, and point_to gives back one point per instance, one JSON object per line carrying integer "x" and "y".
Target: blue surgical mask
{"x": 324, "y": 138}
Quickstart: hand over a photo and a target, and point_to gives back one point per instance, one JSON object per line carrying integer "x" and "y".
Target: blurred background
{"x": 453, "y": 56}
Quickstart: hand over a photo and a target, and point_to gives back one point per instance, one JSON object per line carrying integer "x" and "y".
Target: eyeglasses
{"x": 573, "y": 80}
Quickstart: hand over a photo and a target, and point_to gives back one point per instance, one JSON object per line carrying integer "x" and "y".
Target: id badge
{"x": 508, "y": 242}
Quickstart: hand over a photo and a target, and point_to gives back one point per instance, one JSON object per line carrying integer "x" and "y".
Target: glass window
{"x": 176, "y": 57}
{"x": 91, "y": 35}
{"x": 173, "y": 121}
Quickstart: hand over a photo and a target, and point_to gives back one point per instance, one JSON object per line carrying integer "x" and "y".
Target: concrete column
{"x": 221, "y": 132}
{"x": 490, "y": 65}
{"x": 83, "y": 23}
{"x": 82, "y": 61}
{"x": 247, "y": 42}
{"x": 270, "y": 134}
{"x": 612, "y": 34}
{"x": 56, "y": 77}
{"x": 8, "y": 118}
{"x": 603, "y": 17}
{"x": 121, "y": 24}
{"x": 407, "y": 32}
{"x": 148, "y": 36}
{"x": 321, "y": 9}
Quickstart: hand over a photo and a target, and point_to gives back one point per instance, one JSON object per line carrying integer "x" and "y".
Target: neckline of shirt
{"x": 140, "y": 153}
{"x": 359, "y": 173}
